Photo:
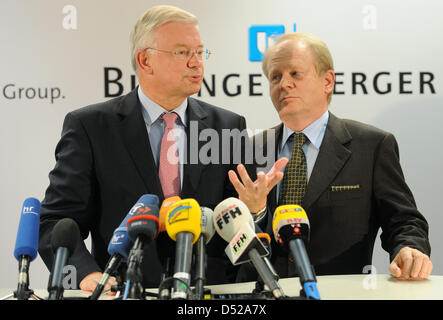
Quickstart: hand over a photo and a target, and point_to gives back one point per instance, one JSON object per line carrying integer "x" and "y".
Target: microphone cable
{"x": 168, "y": 282}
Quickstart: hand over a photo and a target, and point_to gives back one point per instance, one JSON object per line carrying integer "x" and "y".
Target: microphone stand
{"x": 23, "y": 292}
{"x": 134, "y": 276}
{"x": 200, "y": 274}
{"x": 120, "y": 286}
{"x": 182, "y": 266}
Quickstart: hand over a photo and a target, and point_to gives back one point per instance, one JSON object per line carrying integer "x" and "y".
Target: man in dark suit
{"x": 111, "y": 153}
{"x": 353, "y": 182}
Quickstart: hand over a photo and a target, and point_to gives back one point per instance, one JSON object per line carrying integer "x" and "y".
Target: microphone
{"x": 183, "y": 226}
{"x": 120, "y": 244}
{"x": 234, "y": 223}
{"x": 266, "y": 241}
{"x": 26, "y": 245}
{"x": 142, "y": 229}
{"x": 166, "y": 204}
{"x": 229, "y": 216}
{"x": 165, "y": 247}
{"x": 166, "y": 252}
{"x": 291, "y": 230}
{"x": 64, "y": 240}
{"x": 207, "y": 232}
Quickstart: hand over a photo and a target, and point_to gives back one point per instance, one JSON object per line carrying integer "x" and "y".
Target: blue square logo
{"x": 261, "y": 37}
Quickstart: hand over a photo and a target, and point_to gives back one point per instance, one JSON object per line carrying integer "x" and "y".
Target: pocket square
{"x": 345, "y": 188}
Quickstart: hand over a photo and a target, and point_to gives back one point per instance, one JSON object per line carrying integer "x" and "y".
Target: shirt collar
{"x": 152, "y": 111}
{"x": 312, "y": 131}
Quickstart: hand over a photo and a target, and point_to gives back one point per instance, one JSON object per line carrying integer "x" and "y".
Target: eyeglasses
{"x": 184, "y": 55}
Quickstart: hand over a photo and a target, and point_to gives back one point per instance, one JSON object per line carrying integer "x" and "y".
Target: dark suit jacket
{"x": 104, "y": 164}
{"x": 344, "y": 222}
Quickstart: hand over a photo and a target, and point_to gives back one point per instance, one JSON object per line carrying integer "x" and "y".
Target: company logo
{"x": 179, "y": 213}
{"x": 139, "y": 208}
{"x": 29, "y": 210}
{"x": 261, "y": 37}
{"x": 233, "y": 84}
{"x": 144, "y": 209}
{"x": 226, "y": 215}
{"x": 11, "y": 91}
{"x": 135, "y": 208}
{"x": 296, "y": 209}
{"x": 116, "y": 238}
{"x": 204, "y": 220}
{"x": 239, "y": 243}
{"x": 286, "y": 210}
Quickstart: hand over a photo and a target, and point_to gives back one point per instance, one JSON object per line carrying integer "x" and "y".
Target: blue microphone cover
{"x": 120, "y": 243}
{"x": 27, "y": 235}
{"x": 144, "y": 223}
{"x": 144, "y": 200}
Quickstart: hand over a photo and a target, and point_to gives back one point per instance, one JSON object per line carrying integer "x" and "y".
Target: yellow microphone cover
{"x": 184, "y": 216}
{"x": 288, "y": 214}
{"x": 164, "y": 210}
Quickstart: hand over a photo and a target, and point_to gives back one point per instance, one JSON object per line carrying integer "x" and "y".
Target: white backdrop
{"x": 54, "y": 54}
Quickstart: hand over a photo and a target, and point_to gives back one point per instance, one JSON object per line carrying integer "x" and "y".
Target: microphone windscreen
{"x": 28, "y": 229}
{"x": 120, "y": 243}
{"x": 144, "y": 200}
{"x": 207, "y": 223}
{"x": 166, "y": 204}
{"x": 65, "y": 234}
{"x": 184, "y": 216}
{"x": 150, "y": 199}
{"x": 229, "y": 216}
{"x": 144, "y": 223}
{"x": 290, "y": 222}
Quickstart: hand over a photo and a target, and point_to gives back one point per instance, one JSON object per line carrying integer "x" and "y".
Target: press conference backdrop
{"x": 57, "y": 56}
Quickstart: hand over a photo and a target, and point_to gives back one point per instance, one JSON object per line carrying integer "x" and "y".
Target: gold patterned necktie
{"x": 293, "y": 187}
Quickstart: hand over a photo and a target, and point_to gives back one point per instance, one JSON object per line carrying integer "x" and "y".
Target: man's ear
{"x": 329, "y": 78}
{"x": 144, "y": 61}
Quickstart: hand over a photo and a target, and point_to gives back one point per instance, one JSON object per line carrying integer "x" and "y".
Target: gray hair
{"x": 143, "y": 33}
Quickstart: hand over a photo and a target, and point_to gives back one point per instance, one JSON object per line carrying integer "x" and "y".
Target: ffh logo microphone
{"x": 239, "y": 242}
{"x": 226, "y": 215}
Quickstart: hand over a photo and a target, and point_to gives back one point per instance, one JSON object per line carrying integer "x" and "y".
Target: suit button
{"x": 291, "y": 258}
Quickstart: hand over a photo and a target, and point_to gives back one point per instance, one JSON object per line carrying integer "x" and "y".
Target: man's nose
{"x": 287, "y": 82}
{"x": 194, "y": 61}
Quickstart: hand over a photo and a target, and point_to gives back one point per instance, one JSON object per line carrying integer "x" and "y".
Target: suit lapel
{"x": 278, "y": 133}
{"x": 197, "y": 121}
{"x": 135, "y": 138}
{"x": 332, "y": 157}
